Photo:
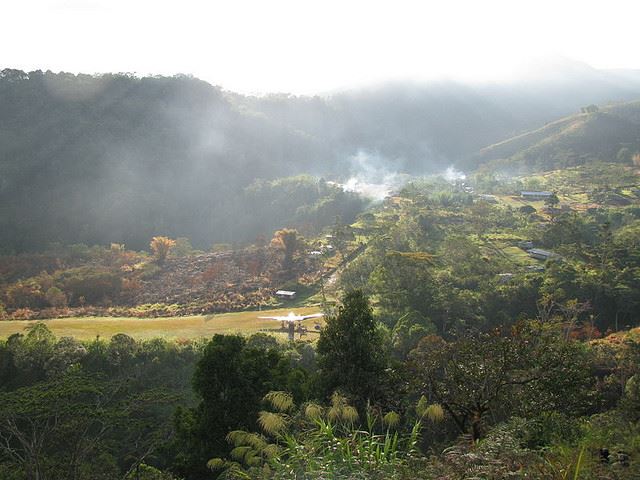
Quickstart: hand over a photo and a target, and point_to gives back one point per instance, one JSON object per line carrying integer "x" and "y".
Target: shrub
{"x": 26, "y": 294}
{"x": 318, "y": 442}
{"x": 94, "y": 285}
{"x": 160, "y": 246}
{"x": 56, "y": 297}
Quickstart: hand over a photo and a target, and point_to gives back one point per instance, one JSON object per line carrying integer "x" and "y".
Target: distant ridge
{"x": 612, "y": 134}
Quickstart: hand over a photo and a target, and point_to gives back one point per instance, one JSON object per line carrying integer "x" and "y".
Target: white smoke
{"x": 371, "y": 177}
{"x": 374, "y": 177}
{"x": 452, "y": 175}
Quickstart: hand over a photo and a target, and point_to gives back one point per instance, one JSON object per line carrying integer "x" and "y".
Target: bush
{"x": 93, "y": 285}
{"x": 27, "y": 294}
{"x": 56, "y": 297}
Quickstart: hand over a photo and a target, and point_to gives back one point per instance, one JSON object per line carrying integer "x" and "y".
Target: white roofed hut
{"x": 286, "y": 294}
{"x": 540, "y": 254}
{"x": 535, "y": 195}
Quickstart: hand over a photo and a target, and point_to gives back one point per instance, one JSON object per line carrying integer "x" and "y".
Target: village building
{"x": 535, "y": 268}
{"x": 286, "y": 294}
{"x": 525, "y": 244}
{"x": 540, "y": 254}
{"x": 535, "y": 195}
{"x": 488, "y": 198}
{"x": 505, "y": 277}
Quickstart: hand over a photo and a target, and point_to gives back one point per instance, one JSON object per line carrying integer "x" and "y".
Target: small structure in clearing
{"x": 540, "y": 254}
{"x": 286, "y": 294}
{"x": 535, "y": 195}
{"x": 488, "y": 198}
{"x": 525, "y": 244}
{"x": 505, "y": 277}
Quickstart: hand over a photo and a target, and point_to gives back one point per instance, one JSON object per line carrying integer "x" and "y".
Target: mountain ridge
{"x": 598, "y": 135}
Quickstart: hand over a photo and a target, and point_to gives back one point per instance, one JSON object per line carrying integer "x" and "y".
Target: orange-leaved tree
{"x": 160, "y": 246}
{"x": 287, "y": 241}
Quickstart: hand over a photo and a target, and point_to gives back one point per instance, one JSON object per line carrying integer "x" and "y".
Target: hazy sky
{"x": 313, "y": 46}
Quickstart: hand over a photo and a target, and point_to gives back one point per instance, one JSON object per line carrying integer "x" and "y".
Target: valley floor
{"x": 189, "y": 327}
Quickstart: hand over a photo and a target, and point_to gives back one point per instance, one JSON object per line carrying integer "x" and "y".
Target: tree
{"x": 351, "y": 353}
{"x": 527, "y": 210}
{"x": 160, "y": 246}
{"x": 589, "y": 109}
{"x": 56, "y": 297}
{"x": 230, "y": 380}
{"x": 32, "y": 352}
{"x": 287, "y": 241}
{"x": 525, "y": 369}
{"x": 52, "y": 429}
{"x": 552, "y": 200}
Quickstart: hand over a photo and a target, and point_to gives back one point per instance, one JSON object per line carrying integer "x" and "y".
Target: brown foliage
{"x": 213, "y": 273}
{"x": 160, "y": 246}
{"x": 287, "y": 241}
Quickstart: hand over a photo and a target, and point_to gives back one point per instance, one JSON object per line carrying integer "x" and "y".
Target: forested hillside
{"x": 116, "y": 158}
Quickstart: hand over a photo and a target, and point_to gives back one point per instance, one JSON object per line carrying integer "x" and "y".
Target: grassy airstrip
{"x": 195, "y": 326}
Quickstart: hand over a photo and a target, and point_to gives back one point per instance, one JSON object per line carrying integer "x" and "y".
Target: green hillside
{"x": 107, "y": 158}
{"x": 610, "y": 133}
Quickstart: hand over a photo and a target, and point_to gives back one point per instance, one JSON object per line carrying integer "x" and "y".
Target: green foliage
{"x": 318, "y": 442}
{"x": 350, "y": 350}
{"x": 89, "y": 285}
{"x": 527, "y": 369}
{"x": 56, "y": 297}
{"x": 230, "y": 380}
{"x": 25, "y": 294}
{"x": 570, "y": 141}
{"x": 147, "y": 472}
{"x": 87, "y": 411}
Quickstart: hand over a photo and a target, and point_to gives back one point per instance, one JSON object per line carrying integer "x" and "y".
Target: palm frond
{"x": 281, "y": 401}
{"x": 349, "y": 414}
{"x": 391, "y": 419}
{"x": 272, "y": 423}
{"x": 257, "y": 442}
{"x": 271, "y": 450}
{"x": 216, "y": 464}
{"x": 237, "y": 437}
{"x": 313, "y": 411}
{"x": 239, "y": 453}
{"x": 434, "y": 412}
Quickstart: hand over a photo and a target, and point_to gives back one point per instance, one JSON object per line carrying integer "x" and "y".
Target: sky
{"x": 306, "y": 47}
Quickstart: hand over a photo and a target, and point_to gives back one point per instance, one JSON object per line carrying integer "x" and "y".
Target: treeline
{"x": 87, "y": 410}
{"x": 522, "y": 400}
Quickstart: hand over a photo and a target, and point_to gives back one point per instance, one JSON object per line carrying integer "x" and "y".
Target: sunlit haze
{"x": 307, "y": 47}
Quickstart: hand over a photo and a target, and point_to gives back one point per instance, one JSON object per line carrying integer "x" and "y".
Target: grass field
{"x": 170, "y": 327}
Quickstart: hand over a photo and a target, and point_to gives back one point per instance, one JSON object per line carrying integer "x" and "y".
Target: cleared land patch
{"x": 194, "y": 326}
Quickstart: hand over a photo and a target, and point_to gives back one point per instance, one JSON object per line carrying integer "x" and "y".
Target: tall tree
{"x": 287, "y": 241}
{"x": 230, "y": 379}
{"x": 352, "y": 357}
